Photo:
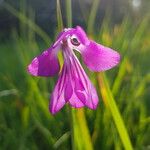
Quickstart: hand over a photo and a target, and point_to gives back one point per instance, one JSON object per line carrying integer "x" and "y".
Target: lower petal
{"x": 57, "y": 99}
{"x": 74, "y": 101}
{"x": 84, "y": 92}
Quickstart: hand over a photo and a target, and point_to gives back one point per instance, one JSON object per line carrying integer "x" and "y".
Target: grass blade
{"x": 93, "y": 16}
{"x": 28, "y": 22}
{"x": 120, "y": 76}
{"x": 111, "y": 105}
{"x": 59, "y": 17}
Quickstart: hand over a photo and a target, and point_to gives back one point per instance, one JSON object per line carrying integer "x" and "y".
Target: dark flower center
{"x": 75, "y": 41}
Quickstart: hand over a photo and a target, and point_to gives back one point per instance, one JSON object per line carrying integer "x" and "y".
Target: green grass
{"x": 120, "y": 122}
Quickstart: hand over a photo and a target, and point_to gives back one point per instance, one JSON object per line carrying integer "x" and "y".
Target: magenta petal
{"x": 84, "y": 92}
{"x": 99, "y": 58}
{"x": 70, "y": 94}
{"x": 76, "y": 100}
{"x": 45, "y": 64}
{"x": 80, "y": 33}
{"x": 68, "y": 90}
{"x": 79, "y": 90}
{"x": 62, "y": 35}
{"x": 57, "y": 99}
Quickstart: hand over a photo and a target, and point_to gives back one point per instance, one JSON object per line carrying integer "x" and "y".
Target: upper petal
{"x": 46, "y": 64}
{"x": 66, "y": 32}
{"x": 99, "y": 58}
{"x": 80, "y": 33}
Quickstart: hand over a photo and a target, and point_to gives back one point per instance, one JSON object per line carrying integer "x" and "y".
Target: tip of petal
{"x": 94, "y": 106}
{"x": 32, "y": 68}
{"x": 56, "y": 102}
{"x": 52, "y": 111}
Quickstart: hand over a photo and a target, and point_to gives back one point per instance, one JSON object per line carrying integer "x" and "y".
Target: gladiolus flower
{"x": 73, "y": 85}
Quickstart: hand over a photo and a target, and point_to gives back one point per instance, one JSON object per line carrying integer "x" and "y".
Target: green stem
{"x": 69, "y": 13}
{"x": 81, "y": 138}
{"x": 59, "y": 17}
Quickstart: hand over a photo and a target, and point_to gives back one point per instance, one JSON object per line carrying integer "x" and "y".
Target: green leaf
{"x": 108, "y": 99}
{"x": 59, "y": 17}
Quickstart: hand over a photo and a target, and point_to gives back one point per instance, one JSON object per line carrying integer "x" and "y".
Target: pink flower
{"x": 73, "y": 85}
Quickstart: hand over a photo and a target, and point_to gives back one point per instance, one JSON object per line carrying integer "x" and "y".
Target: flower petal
{"x": 99, "y": 58}
{"x": 57, "y": 99}
{"x": 62, "y": 35}
{"x": 45, "y": 64}
{"x": 76, "y": 100}
{"x": 70, "y": 94}
{"x": 84, "y": 92}
{"x": 80, "y": 33}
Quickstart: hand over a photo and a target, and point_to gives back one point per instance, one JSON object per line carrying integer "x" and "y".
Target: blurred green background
{"x": 122, "y": 119}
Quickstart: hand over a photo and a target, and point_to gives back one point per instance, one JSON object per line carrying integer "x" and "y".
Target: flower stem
{"x": 81, "y": 138}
